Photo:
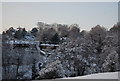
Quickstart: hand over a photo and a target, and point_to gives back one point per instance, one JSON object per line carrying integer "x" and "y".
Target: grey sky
{"x": 86, "y": 14}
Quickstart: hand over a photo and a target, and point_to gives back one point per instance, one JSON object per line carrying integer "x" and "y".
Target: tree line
{"x": 80, "y": 52}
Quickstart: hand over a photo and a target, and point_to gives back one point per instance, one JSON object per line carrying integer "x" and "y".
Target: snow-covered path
{"x": 107, "y": 75}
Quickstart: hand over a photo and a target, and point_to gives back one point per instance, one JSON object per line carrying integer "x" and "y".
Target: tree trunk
{"x": 33, "y": 70}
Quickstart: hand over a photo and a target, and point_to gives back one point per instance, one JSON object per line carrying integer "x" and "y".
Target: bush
{"x": 51, "y": 71}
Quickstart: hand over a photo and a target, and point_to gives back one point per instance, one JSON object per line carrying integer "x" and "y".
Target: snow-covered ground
{"x": 107, "y": 75}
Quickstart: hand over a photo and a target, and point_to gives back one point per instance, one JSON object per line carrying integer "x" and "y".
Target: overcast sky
{"x": 86, "y": 14}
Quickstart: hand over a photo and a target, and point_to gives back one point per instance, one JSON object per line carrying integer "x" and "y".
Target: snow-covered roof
{"x": 21, "y": 42}
{"x": 49, "y": 44}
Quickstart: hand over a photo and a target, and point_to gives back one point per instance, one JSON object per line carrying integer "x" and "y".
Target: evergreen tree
{"x": 55, "y": 38}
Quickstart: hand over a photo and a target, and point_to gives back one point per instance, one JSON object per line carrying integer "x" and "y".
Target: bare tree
{"x": 74, "y": 32}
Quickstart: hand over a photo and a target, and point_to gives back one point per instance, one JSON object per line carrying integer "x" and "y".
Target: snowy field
{"x": 108, "y": 75}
